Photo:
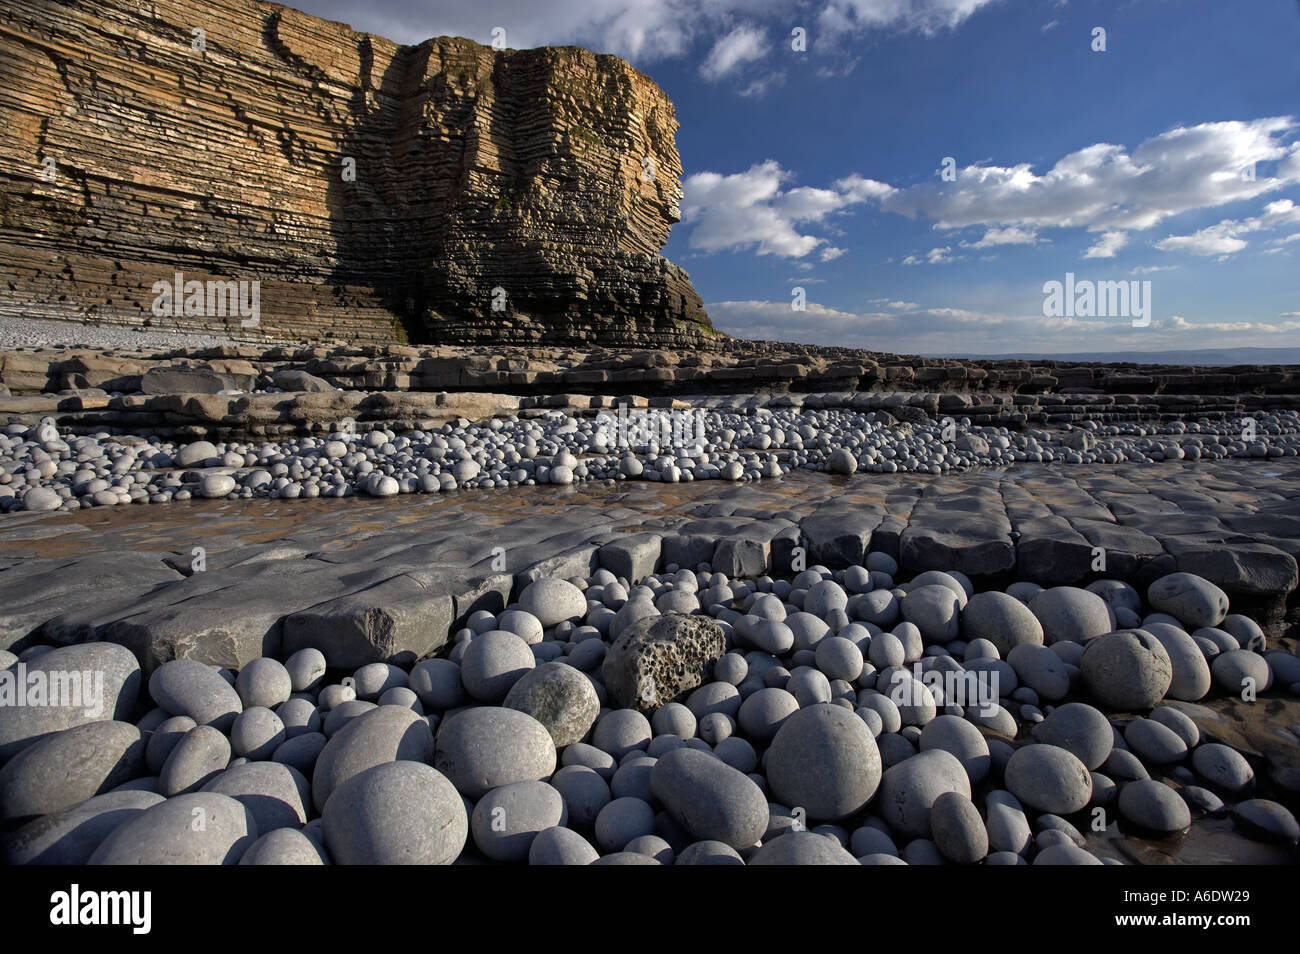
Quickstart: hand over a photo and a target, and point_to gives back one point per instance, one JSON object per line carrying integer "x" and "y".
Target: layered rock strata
{"x": 375, "y": 192}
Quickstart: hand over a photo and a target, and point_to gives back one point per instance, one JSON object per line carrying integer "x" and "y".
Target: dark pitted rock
{"x": 824, "y": 759}
{"x": 22, "y": 726}
{"x": 191, "y": 688}
{"x": 802, "y": 848}
{"x": 395, "y": 813}
{"x": 382, "y": 734}
{"x": 1049, "y": 779}
{"x": 1126, "y": 671}
{"x": 560, "y": 698}
{"x": 710, "y": 799}
{"x": 70, "y": 836}
{"x": 1192, "y": 599}
{"x": 483, "y": 748}
{"x": 167, "y": 833}
{"x": 66, "y": 768}
{"x": 655, "y": 660}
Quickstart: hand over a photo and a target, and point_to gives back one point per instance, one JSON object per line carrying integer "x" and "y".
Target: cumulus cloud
{"x": 1108, "y": 245}
{"x": 1224, "y": 238}
{"x": 1103, "y": 188}
{"x": 1107, "y": 187}
{"x": 753, "y": 209}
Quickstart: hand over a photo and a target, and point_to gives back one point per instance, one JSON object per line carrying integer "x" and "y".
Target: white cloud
{"x": 643, "y": 31}
{"x": 830, "y": 253}
{"x": 859, "y": 189}
{"x": 751, "y": 210}
{"x": 1051, "y": 25}
{"x": 936, "y": 256}
{"x": 1224, "y": 238}
{"x": 1107, "y": 246}
{"x": 1008, "y": 236}
{"x": 1102, "y": 187}
{"x": 925, "y": 16}
{"x": 941, "y": 330}
{"x": 1106, "y": 188}
{"x": 1152, "y": 269}
{"x": 1215, "y": 240}
{"x": 743, "y": 45}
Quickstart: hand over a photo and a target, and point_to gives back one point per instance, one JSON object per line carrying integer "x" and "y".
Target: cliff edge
{"x": 447, "y": 192}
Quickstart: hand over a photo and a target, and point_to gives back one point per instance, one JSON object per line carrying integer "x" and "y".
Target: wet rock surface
{"x": 508, "y": 642}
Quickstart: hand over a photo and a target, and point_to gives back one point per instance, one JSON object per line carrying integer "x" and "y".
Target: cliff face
{"x": 446, "y": 191}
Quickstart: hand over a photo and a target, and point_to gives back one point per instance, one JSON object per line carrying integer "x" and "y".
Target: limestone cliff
{"x": 513, "y": 196}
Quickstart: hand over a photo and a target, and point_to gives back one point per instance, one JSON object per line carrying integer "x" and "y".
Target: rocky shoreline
{"x": 876, "y": 625}
{"x": 833, "y": 717}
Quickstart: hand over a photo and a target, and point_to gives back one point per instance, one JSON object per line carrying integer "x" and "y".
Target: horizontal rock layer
{"x": 401, "y": 386}
{"x": 385, "y": 582}
{"x": 550, "y": 175}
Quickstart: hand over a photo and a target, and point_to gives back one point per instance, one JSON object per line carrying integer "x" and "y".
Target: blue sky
{"x": 822, "y": 169}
